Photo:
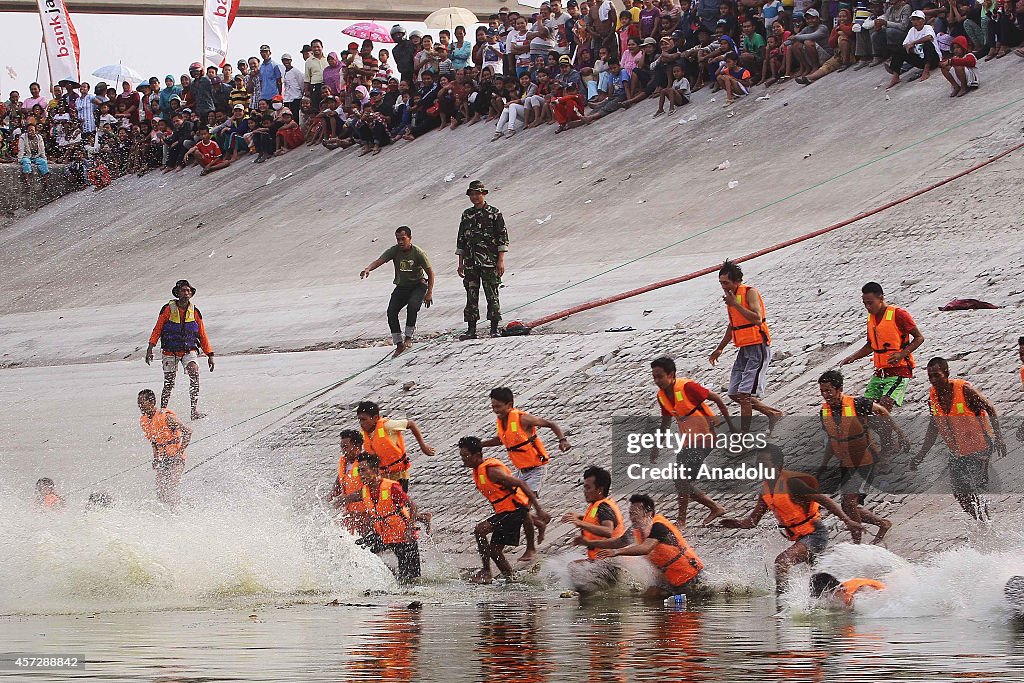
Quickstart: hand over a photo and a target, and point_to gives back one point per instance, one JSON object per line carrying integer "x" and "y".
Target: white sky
{"x": 157, "y": 45}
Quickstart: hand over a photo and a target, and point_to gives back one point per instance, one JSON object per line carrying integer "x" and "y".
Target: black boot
{"x": 469, "y": 333}
{"x": 494, "y": 328}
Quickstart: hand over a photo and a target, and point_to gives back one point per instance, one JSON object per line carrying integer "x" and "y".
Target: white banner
{"x": 60, "y": 39}
{"x": 218, "y": 15}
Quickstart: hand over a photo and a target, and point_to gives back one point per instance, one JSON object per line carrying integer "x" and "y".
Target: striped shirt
{"x": 86, "y": 110}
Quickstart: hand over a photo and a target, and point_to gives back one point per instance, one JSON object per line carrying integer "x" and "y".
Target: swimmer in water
{"x": 824, "y": 585}
{"x": 46, "y": 495}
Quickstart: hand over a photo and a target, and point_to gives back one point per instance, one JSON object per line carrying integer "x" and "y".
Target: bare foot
{"x": 773, "y": 420}
{"x": 955, "y": 92}
{"x": 963, "y": 91}
{"x": 398, "y": 350}
{"x": 714, "y": 514}
{"x": 541, "y": 528}
{"x": 925, "y": 76}
{"x": 481, "y": 578}
{"x": 893, "y": 82}
{"x": 528, "y": 556}
{"x": 658, "y": 113}
{"x": 883, "y": 528}
{"x": 426, "y": 518}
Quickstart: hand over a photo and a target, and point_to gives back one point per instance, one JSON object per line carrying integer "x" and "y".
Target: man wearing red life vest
{"x": 348, "y": 482}
{"x": 517, "y": 432}
{"x": 828, "y": 586}
{"x": 968, "y": 423}
{"x": 794, "y": 499}
{"x": 601, "y": 523}
{"x": 511, "y": 499}
{"x": 663, "y": 545}
{"x": 383, "y": 437}
{"x": 685, "y": 401}
{"x": 392, "y": 518}
{"x": 748, "y": 331}
{"x": 846, "y": 422}
{"x": 181, "y": 333}
{"x": 892, "y": 338}
{"x": 169, "y": 439}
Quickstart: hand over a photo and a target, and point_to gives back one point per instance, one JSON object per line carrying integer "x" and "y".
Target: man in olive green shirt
{"x": 414, "y": 285}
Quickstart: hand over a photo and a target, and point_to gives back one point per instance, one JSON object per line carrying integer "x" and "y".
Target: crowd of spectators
{"x": 516, "y": 72}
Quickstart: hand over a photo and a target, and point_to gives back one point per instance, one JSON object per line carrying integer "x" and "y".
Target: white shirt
{"x": 517, "y": 38}
{"x": 914, "y": 34}
{"x": 293, "y": 82}
{"x": 605, "y": 9}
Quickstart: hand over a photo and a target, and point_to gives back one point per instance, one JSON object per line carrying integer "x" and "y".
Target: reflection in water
{"x": 509, "y": 648}
{"x": 390, "y": 650}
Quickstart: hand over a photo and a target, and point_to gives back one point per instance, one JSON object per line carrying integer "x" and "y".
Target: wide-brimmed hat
{"x": 179, "y": 283}
{"x": 477, "y": 186}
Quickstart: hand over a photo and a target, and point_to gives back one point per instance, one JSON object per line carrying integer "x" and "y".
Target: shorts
{"x": 691, "y": 459}
{"x": 534, "y": 477}
{"x": 612, "y": 104}
{"x": 750, "y": 370}
{"x": 292, "y": 137}
{"x": 170, "y": 361}
{"x": 506, "y": 526}
{"x": 816, "y": 541}
{"x": 407, "y": 554}
{"x": 856, "y": 479}
{"x": 968, "y": 474}
{"x": 894, "y": 388}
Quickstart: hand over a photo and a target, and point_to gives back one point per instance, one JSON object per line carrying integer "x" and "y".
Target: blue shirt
{"x": 270, "y": 72}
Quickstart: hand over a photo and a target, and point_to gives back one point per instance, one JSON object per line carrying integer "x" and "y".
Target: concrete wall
{"x": 13, "y": 196}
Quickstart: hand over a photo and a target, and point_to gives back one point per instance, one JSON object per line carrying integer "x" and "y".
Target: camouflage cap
{"x": 477, "y": 186}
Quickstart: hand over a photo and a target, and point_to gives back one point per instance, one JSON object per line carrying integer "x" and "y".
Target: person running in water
{"x": 46, "y": 495}
{"x": 824, "y": 585}
{"x": 685, "y": 400}
{"x": 348, "y": 482}
{"x": 663, "y": 544}
{"x": 892, "y": 338}
{"x": 383, "y": 437}
{"x": 391, "y": 516}
{"x": 517, "y": 432}
{"x": 181, "y": 333}
{"x": 1020, "y": 354}
{"x": 845, "y": 420}
{"x": 968, "y": 423}
{"x": 414, "y": 285}
{"x": 169, "y": 438}
{"x": 511, "y": 499}
{"x": 602, "y": 521}
{"x": 794, "y": 499}
{"x": 748, "y": 331}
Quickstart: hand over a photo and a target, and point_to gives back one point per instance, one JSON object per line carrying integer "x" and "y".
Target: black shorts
{"x": 506, "y": 526}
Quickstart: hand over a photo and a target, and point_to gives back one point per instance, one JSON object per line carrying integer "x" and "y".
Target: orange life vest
{"x": 744, "y": 332}
{"x": 964, "y": 431}
{"x": 679, "y": 563}
{"x": 392, "y": 523}
{"x": 51, "y": 501}
{"x": 691, "y": 418}
{"x": 501, "y": 498}
{"x": 161, "y": 435}
{"x": 849, "y": 588}
{"x": 525, "y": 448}
{"x": 795, "y": 521}
{"x": 886, "y": 339}
{"x": 850, "y": 440}
{"x": 393, "y": 458}
{"x": 350, "y": 483}
{"x": 591, "y": 518}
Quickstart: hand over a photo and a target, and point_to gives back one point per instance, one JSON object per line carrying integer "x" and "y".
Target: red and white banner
{"x": 218, "y": 15}
{"x": 60, "y": 39}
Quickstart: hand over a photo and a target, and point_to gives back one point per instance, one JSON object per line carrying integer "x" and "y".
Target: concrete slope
{"x": 275, "y": 250}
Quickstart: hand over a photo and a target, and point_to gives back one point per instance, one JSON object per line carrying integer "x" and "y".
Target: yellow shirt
{"x": 315, "y": 70}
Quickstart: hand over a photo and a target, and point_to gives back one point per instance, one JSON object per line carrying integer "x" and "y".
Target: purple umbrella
{"x": 368, "y": 30}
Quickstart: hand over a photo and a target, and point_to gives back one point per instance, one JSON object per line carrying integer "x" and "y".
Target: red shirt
{"x": 208, "y": 151}
{"x": 696, "y": 393}
{"x": 904, "y": 323}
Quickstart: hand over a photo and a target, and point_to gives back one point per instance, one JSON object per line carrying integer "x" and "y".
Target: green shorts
{"x": 895, "y": 388}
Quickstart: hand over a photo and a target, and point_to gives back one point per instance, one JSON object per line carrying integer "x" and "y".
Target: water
{"x": 235, "y": 585}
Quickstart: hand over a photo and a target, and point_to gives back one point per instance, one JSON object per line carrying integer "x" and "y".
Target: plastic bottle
{"x": 675, "y": 601}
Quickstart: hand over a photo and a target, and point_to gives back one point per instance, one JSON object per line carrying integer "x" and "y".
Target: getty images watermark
{"x": 689, "y": 451}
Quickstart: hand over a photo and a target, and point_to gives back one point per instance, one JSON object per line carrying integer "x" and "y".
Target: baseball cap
{"x": 571, "y": 4}
{"x": 812, "y": 12}
{"x": 286, "y": 56}
{"x": 195, "y": 65}
{"x": 238, "y": 107}
{"x": 375, "y": 91}
{"x": 277, "y": 98}
{"x": 649, "y": 41}
{"x": 564, "y": 59}
{"x": 353, "y": 47}
{"x": 306, "y": 48}
{"x": 917, "y": 14}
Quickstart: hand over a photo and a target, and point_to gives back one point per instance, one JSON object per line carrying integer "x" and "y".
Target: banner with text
{"x": 60, "y": 40}
{"x": 218, "y": 16}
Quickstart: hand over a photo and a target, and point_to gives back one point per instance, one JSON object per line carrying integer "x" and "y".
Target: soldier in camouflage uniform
{"x": 481, "y": 246}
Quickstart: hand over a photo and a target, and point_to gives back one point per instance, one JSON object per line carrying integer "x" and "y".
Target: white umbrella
{"x": 117, "y": 73}
{"x": 450, "y": 17}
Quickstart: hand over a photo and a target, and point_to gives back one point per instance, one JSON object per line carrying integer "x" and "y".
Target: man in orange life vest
{"x": 392, "y": 516}
{"x": 348, "y": 482}
{"x": 684, "y": 400}
{"x": 46, "y": 495}
{"x": 968, "y": 423}
{"x": 845, "y": 420}
{"x": 794, "y": 499}
{"x": 663, "y": 545}
{"x": 517, "y": 432}
{"x": 892, "y": 338}
{"x": 748, "y": 330}
{"x": 169, "y": 439}
{"x": 383, "y": 437}
{"x": 181, "y": 333}
{"x": 511, "y": 499}
{"x": 601, "y": 522}
{"x": 826, "y": 585}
